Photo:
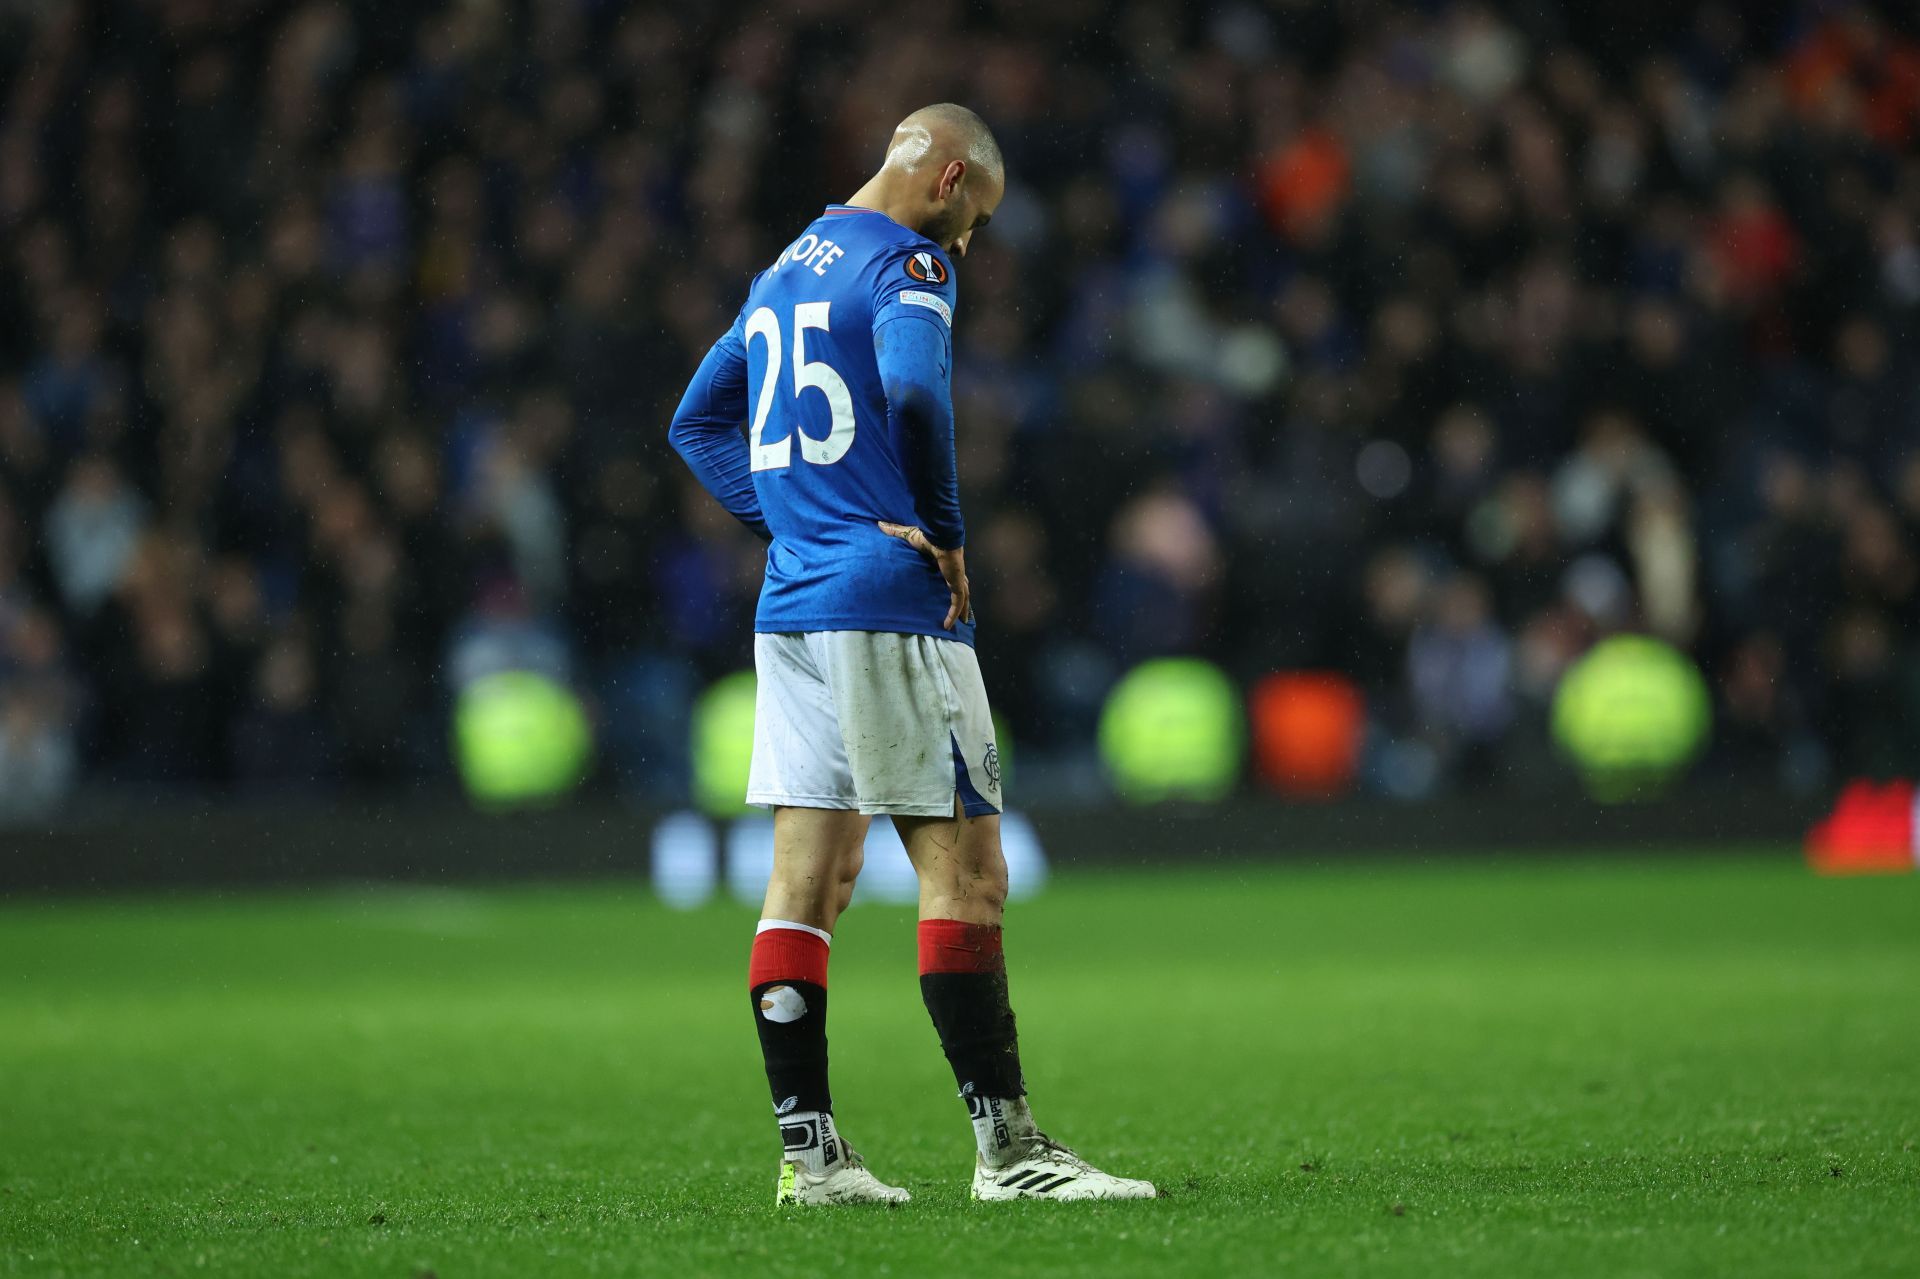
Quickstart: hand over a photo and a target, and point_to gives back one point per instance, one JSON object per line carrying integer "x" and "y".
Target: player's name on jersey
{"x": 810, "y": 250}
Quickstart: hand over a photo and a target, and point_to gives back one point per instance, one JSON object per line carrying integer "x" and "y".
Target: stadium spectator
{"x": 1427, "y": 342}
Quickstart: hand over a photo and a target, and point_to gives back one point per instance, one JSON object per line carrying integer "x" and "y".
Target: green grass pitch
{"x": 1699, "y": 1067}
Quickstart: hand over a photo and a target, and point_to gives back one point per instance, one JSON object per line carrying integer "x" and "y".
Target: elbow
{"x": 680, "y": 434}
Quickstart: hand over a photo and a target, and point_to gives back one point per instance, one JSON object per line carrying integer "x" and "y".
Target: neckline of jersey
{"x": 861, "y": 208}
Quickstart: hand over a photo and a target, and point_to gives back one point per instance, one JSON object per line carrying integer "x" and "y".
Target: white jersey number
{"x": 818, "y": 374}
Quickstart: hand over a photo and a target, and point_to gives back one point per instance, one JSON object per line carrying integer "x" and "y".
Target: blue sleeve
{"x": 706, "y": 430}
{"x": 912, "y": 355}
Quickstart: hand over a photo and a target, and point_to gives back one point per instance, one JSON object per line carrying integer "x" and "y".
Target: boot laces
{"x": 1046, "y": 1147}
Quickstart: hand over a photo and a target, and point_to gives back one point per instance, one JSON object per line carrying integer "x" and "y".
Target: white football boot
{"x": 1045, "y": 1169}
{"x": 845, "y": 1181}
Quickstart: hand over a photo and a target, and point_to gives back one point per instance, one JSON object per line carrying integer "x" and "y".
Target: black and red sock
{"x": 963, "y": 979}
{"x": 788, "y": 979}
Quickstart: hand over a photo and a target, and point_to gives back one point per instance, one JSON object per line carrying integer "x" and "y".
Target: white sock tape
{"x": 768, "y": 925}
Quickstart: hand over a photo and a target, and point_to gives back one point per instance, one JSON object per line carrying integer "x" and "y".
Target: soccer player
{"x": 870, "y": 697}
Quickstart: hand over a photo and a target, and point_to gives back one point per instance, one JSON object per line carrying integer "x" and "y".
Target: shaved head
{"x": 942, "y": 132}
{"x": 943, "y": 176}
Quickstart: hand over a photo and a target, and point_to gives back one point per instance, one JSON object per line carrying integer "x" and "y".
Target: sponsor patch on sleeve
{"x": 932, "y": 301}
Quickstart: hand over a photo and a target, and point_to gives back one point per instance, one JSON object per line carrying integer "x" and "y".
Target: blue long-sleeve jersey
{"x": 838, "y": 366}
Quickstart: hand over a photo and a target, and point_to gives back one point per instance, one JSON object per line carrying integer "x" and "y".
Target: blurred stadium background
{"x": 1357, "y": 366}
{"x": 1405, "y": 426}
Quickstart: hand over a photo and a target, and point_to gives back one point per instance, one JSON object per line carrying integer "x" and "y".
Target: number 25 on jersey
{"x": 817, "y": 374}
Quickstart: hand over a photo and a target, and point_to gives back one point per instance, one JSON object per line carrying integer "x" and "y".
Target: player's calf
{"x": 963, "y": 978}
{"x": 816, "y": 859}
{"x": 788, "y": 983}
{"x": 963, "y": 981}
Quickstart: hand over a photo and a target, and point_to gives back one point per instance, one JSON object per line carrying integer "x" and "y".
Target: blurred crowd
{"x": 1423, "y": 341}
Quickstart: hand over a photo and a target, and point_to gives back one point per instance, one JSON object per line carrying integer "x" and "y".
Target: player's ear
{"x": 951, "y": 177}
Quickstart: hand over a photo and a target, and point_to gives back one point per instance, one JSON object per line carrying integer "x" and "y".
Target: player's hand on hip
{"x": 952, "y": 565}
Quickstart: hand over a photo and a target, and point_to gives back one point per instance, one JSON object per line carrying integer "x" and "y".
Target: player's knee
{"x": 981, "y": 878}
{"x": 991, "y": 887}
{"x": 850, "y": 866}
{"x": 805, "y": 891}
{"x": 990, "y": 864}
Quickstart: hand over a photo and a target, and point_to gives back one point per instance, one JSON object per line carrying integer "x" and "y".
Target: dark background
{"x": 1425, "y": 342}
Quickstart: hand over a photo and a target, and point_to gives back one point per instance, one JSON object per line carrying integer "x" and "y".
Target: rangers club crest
{"x": 990, "y": 764}
{"x": 927, "y": 269}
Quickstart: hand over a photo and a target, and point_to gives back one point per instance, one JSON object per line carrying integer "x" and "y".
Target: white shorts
{"x": 874, "y": 721}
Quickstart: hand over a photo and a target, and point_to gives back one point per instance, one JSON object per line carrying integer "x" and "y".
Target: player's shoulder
{"x": 861, "y": 257}
{"x": 890, "y": 247}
